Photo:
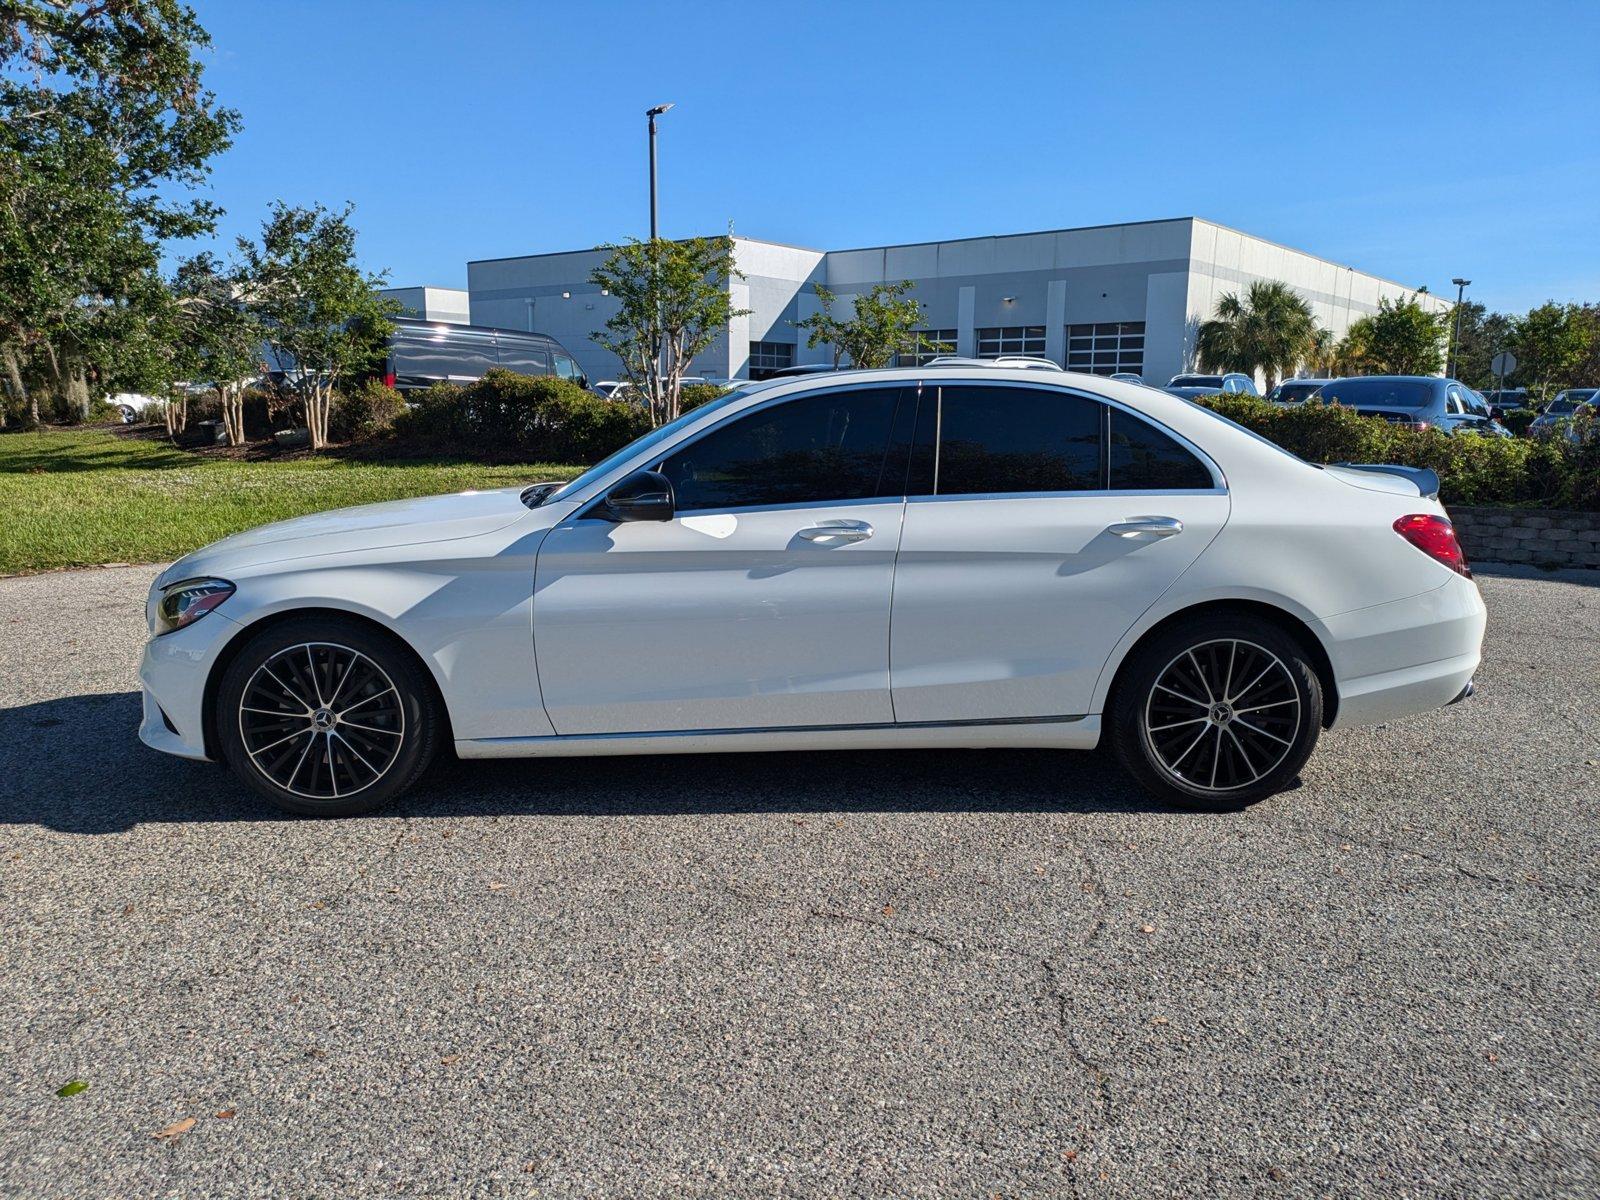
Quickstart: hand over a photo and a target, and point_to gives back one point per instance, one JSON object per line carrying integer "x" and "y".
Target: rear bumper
{"x": 1408, "y": 656}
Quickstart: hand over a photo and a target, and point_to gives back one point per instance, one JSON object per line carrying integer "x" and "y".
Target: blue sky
{"x": 1417, "y": 141}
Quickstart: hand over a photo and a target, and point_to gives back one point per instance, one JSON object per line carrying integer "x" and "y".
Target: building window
{"x": 944, "y": 341}
{"x": 767, "y": 357}
{"x": 1107, "y": 348}
{"x": 1011, "y": 339}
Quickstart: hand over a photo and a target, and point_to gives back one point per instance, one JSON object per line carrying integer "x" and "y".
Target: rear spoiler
{"x": 1426, "y": 478}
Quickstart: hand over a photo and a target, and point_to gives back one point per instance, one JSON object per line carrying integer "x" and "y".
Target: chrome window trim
{"x": 803, "y": 388}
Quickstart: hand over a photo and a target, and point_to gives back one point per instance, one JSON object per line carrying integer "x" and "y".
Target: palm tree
{"x": 1271, "y": 329}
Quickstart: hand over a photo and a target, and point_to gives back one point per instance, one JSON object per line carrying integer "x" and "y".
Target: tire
{"x": 1252, "y": 736}
{"x": 327, "y": 717}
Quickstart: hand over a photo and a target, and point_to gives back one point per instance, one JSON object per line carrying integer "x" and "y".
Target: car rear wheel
{"x": 1217, "y": 714}
{"x": 326, "y": 717}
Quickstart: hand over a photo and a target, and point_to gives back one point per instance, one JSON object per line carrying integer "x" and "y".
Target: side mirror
{"x": 642, "y": 496}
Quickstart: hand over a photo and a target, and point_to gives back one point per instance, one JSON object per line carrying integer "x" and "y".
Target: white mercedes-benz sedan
{"x": 959, "y": 556}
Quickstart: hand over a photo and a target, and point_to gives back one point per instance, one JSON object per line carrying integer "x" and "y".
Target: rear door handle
{"x": 1147, "y": 527}
{"x": 837, "y": 533}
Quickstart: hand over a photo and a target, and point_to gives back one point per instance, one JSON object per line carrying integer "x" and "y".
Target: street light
{"x": 1455, "y": 337}
{"x": 653, "y": 113}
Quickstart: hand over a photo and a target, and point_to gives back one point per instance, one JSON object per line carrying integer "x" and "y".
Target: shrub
{"x": 504, "y": 414}
{"x": 1471, "y": 469}
{"x": 693, "y": 395}
{"x": 367, "y": 412}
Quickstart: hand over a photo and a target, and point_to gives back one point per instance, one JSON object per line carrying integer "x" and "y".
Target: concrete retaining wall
{"x": 1540, "y": 537}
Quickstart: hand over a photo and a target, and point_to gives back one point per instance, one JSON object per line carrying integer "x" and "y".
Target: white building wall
{"x": 431, "y": 303}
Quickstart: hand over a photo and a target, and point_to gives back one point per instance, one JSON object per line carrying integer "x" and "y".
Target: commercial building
{"x": 1102, "y": 299}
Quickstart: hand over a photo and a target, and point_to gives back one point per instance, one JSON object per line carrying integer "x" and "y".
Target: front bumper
{"x": 1409, "y": 656}
{"x": 174, "y": 671}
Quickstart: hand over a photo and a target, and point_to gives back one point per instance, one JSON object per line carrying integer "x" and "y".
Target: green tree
{"x": 673, "y": 301}
{"x": 220, "y": 333}
{"x": 1552, "y": 342}
{"x": 104, "y": 127}
{"x": 884, "y": 323}
{"x": 321, "y": 313}
{"x": 1401, "y": 338}
{"x": 1270, "y": 329}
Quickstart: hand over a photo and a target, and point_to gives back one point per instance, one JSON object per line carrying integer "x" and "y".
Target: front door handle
{"x": 1147, "y": 527}
{"x": 837, "y": 533}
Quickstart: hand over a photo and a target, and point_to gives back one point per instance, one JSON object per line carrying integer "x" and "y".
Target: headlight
{"x": 185, "y": 603}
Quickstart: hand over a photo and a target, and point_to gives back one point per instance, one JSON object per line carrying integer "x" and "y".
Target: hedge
{"x": 1472, "y": 469}
{"x": 506, "y": 415}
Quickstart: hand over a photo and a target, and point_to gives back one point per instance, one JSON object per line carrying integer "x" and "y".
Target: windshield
{"x": 1196, "y": 381}
{"x": 1379, "y": 393}
{"x": 1295, "y": 391}
{"x": 639, "y": 443}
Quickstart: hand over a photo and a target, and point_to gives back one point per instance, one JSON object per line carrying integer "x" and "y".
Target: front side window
{"x": 566, "y": 368}
{"x": 1145, "y": 458}
{"x": 1008, "y": 440}
{"x": 831, "y": 446}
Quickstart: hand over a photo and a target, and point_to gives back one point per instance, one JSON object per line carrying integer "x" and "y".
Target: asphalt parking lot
{"x": 951, "y": 974}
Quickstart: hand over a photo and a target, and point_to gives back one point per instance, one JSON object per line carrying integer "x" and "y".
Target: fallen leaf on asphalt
{"x": 127, "y": 909}
{"x": 1493, "y": 1057}
{"x": 319, "y": 904}
{"x": 497, "y": 887}
{"x": 176, "y": 1129}
{"x": 1069, "y": 1156}
{"x": 1277, "y": 1174}
{"x": 1147, "y": 929}
{"x": 226, "y": 1114}
{"x": 450, "y": 1060}
{"x": 72, "y": 1089}
{"x": 1346, "y": 846}
{"x": 1158, "y": 1020}
{"x": 888, "y": 910}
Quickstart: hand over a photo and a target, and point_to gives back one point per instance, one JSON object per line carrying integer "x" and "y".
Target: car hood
{"x": 365, "y": 527}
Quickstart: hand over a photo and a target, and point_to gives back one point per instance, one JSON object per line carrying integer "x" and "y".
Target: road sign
{"x": 1504, "y": 363}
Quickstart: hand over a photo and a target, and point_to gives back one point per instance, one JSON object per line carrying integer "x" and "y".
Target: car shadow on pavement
{"x": 76, "y": 765}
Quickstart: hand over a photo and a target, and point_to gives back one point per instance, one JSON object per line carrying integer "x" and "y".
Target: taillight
{"x": 1414, "y": 426}
{"x": 1436, "y": 538}
{"x": 388, "y": 380}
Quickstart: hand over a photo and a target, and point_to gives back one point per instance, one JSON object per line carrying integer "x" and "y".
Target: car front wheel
{"x": 1217, "y": 714}
{"x": 325, "y": 717}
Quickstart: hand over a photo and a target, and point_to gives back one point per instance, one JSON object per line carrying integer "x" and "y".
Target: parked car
{"x": 1504, "y": 400}
{"x": 1562, "y": 409}
{"x": 422, "y": 353}
{"x": 1296, "y": 391}
{"x": 1192, "y": 387}
{"x": 613, "y": 389}
{"x": 1415, "y": 402}
{"x": 1082, "y": 562}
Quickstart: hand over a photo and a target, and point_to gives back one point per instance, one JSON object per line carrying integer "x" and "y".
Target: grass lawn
{"x": 79, "y": 497}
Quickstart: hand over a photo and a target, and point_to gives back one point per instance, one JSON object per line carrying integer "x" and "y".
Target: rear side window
{"x": 832, "y": 446}
{"x": 995, "y": 441}
{"x": 1143, "y": 457}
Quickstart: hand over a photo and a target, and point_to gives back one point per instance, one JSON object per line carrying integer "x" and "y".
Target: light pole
{"x": 653, "y": 113}
{"x": 659, "y": 347}
{"x": 1455, "y": 337}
